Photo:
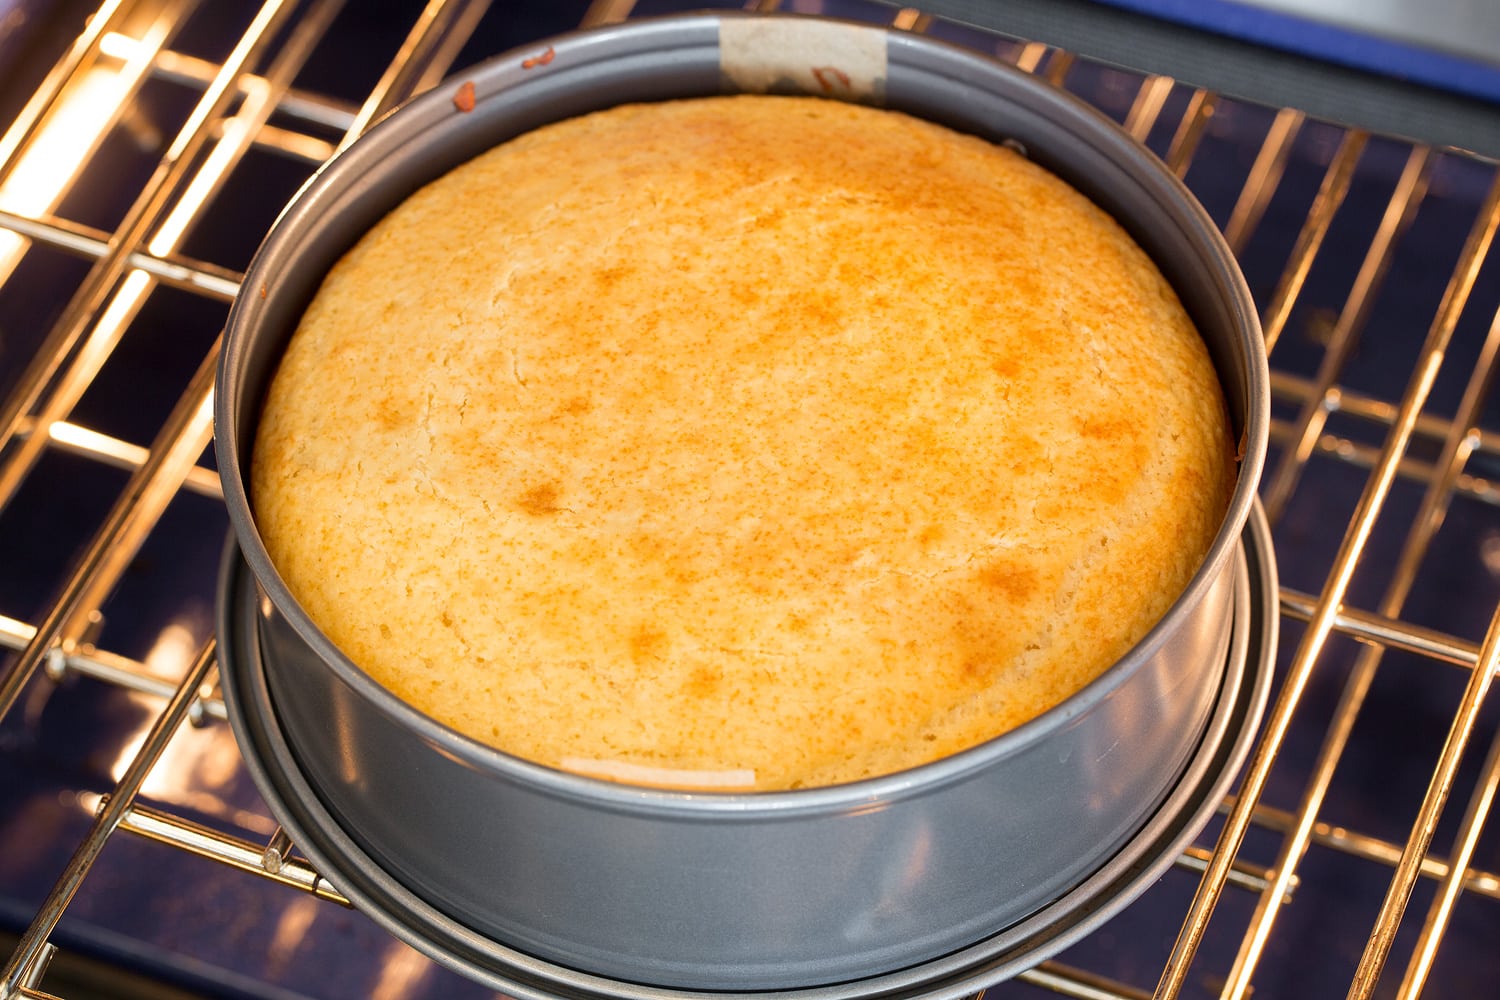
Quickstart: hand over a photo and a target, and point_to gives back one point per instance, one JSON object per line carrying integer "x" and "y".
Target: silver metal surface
{"x": 1329, "y": 425}
{"x": 1459, "y": 26}
{"x": 1014, "y": 950}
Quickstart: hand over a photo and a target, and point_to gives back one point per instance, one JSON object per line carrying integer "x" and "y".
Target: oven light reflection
{"x": 234, "y": 137}
{"x": 1489, "y": 552}
{"x": 118, "y": 46}
{"x": 291, "y": 930}
{"x": 51, "y": 161}
{"x": 199, "y": 763}
{"x": 192, "y": 758}
{"x": 401, "y": 973}
{"x": 172, "y": 652}
{"x": 196, "y": 766}
{"x": 127, "y": 300}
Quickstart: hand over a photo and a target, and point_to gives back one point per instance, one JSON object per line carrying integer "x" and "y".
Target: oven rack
{"x": 251, "y": 100}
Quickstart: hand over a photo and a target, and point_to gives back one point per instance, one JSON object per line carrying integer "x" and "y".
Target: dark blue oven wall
{"x": 186, "y": 923}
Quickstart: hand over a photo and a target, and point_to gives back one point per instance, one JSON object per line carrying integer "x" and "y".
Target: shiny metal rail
{"x": 1327, "y": 606}
{"x": 237, "y": 101}
{"x": 176, "y": 195}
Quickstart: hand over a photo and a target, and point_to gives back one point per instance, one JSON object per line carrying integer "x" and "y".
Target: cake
{"x": 741, "y": 442}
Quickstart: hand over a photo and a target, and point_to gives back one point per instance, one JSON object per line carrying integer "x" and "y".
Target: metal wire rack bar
{"x": 34, "y": 942}
{"x": 1356, "y": 688}
{"x": 234, "y": 109}
{"x": 1264, "y": 177}
{"x": 272, "y": 861}
{"x": 1368, "y": 409}
{"x": 1320, "y": 625}
{"x": 1375, "y": 849}
{"x": 1408, "y": 868}
{"x": 148, "y": 211}
{"x": 309, "y": 108}
{"x": 111, "y": 668}
{"x": 189, "y": 275}
{"x": 1440, "y": 911}
{"x": 1385, "y": 631}
{"x": 75, "y": 439}
{"x": 24, "y": 127}
{"x": 1078, "y": 984}
{"x": 1316, "y": 406}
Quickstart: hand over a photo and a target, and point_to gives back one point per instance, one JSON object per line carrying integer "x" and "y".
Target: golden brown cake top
{"x": 741, "y": 440}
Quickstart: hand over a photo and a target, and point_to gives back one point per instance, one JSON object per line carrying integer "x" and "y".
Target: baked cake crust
{"x": 741, "y": 441}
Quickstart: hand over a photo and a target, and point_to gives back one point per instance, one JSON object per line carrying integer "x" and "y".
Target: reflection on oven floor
{"x": 151, "y": 917}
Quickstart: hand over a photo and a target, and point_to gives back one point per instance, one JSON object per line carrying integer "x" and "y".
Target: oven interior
{"x": 145, "y": 149}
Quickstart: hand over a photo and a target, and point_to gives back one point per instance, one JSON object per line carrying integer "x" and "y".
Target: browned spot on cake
{"x": 975, "y": 668}
{"x": 540, "y": 500}
{"x": 391, "y": 414}
{"x": 647, "y": 643}
{"x": 1028, "y": 462}
{"x": 610, "y": 277}
{"x": 1009, "y": 580}
{"x": 684, "y": 574}
{"x": 1106, "y": 427}
{"x": 576, "y": 407}
{"x": 1007, "y": 366}
{"x": 702, "y": 682}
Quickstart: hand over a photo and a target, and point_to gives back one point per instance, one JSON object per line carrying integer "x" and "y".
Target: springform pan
{"x": 758, "y": 891}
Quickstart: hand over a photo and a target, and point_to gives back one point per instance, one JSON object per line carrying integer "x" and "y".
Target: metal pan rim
{"x": 502, "y": 76}
{"x": 1097, "y": 898}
